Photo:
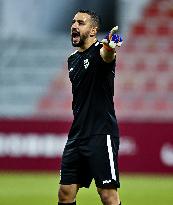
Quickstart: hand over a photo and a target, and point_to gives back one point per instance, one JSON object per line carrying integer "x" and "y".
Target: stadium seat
{"x": 163, "y": 65}
{"x": 152, "y": 11}
{"x": 140, "y": 29}
{"x": 170, "y": 48}
{"x": 170, "y": 85}
{"x": 160, "y": 104}
{"x": 150, "y": 85}
{"x": 138, "y": 104}
{"x": 140, "y": 64}
{"x": 169, "y": 13}
{"x": 164, "y": 30}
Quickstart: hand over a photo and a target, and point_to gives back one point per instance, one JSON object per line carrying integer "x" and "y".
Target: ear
{"x": 93, "y": 31}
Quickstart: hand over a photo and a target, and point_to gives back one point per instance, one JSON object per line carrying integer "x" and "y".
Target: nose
{"x": 75, "y": 25}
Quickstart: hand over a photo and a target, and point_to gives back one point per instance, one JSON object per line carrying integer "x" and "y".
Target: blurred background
{"x": 35, "y": 97}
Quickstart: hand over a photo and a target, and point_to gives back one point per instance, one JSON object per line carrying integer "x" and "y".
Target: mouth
{"x": 75, "y": 36}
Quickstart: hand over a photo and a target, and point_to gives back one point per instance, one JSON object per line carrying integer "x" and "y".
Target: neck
{"x": 87, "y": 44}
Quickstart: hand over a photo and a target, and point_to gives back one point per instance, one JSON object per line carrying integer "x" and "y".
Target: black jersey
{"x": 93, "y": 90}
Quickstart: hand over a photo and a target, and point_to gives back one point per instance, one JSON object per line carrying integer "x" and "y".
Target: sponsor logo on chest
{"x": 86, "y": 63}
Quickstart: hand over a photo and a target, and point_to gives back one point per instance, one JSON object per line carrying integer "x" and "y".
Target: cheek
{"x": 86, "y": 31}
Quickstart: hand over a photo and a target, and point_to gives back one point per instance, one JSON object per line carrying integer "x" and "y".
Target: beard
{"x": 77, "y": 39}
{"x": 80, "y": 43}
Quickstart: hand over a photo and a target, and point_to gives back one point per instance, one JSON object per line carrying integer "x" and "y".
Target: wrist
{"x": 108, "y": 48}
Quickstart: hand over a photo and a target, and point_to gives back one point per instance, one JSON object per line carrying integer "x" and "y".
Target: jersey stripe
{"x": 73, "y": 53}
{"x": 111, "y": 157}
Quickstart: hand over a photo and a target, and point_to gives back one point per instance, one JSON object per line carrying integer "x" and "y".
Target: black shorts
{"x": 91, "y": 158}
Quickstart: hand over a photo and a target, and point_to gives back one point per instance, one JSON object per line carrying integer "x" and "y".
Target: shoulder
{"x": 72, "y": 54}
{"x": 98, "y": 45}
{"x": 95, "y": 48}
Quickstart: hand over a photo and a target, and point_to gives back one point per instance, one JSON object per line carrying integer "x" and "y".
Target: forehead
{"x": 82, "y": 16}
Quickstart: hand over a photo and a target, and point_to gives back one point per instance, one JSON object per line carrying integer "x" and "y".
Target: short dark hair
{"x": 94, "y": 17}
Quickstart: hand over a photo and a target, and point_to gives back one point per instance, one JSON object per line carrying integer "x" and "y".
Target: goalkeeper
{"x": 91, "y": 151}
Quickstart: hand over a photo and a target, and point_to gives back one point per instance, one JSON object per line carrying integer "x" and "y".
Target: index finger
{"x": 113, "y": 31}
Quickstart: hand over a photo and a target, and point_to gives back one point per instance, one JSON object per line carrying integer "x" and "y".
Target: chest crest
{"x": 86, "y": 63}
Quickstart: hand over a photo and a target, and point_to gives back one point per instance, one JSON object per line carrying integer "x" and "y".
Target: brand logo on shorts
{"x": 106, "y": 181}
{"x": 86, "y": 63}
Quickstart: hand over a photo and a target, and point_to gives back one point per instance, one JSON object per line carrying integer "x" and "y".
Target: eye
{"x": 81, "y": 22}
{"x": 73, "y": 21}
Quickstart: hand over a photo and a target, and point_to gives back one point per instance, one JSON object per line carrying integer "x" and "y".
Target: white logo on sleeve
{"x": 106, "y": 181}
{"x": 86, "y": 63}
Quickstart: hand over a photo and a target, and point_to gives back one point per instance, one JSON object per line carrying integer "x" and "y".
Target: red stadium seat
{"x": 151, "y": 47}
{"x": 163, "y": 65}
{"x": 160, "y": 104}
{"x": 169, "y": 12}
{"x": 120, "y": 65}
{"x": 138, "y": 104}
{"x": 152, "y": 11}
{"x": 140, "y": 29}
{"x": 140, "y": 65}
{"x": 150, "y": 85}
{"x": 170, "y": 48}
{"x": 170, "y": 86}
{"x": 129, "y": 44}
{"x": 128, "y": 86}
{"x": 163, "y": 30}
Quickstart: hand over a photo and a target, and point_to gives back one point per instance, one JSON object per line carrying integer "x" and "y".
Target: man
{"x": 92, "y": 147}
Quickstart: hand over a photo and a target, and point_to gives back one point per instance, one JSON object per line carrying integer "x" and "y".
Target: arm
{"x": 110, "y": 43}
{"x": 107, "y": 55}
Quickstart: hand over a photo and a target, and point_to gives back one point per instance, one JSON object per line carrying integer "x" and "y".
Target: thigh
{"x": 74, "y": 166}
{"x": 104, "y": 161}
{"x": 69, "y": 164}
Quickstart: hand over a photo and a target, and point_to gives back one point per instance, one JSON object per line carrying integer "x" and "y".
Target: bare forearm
{"x": 107, "y": 55}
